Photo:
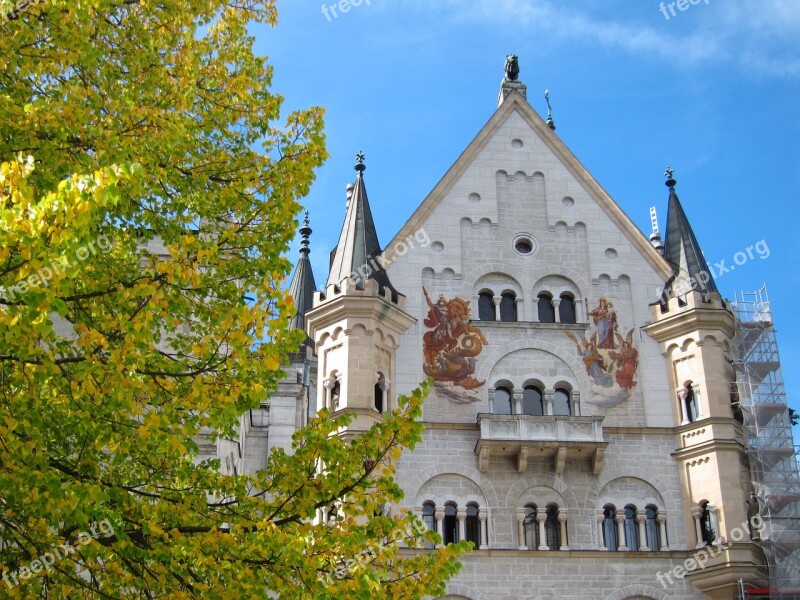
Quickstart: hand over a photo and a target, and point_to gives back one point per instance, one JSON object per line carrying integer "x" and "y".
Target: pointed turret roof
{"x": 302, "y": 286}
{"x": 682, "y": 250}
{"x": 356, "y": 254}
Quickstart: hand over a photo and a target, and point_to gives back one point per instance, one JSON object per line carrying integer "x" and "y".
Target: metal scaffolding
{"x": 771, "y": 449}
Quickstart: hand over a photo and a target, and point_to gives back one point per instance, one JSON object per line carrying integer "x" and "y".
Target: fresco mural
{"x": 610, "y": 359}
{"x": 450, "y": 349}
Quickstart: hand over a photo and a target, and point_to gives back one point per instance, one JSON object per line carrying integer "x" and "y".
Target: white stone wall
{"x": 513, "y": 183}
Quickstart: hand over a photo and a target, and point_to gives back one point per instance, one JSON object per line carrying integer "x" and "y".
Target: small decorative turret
{"x": 302, "y": 286}
{"x": 356, "y": 321}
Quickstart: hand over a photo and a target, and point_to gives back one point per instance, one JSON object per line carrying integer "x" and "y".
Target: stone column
{"x": 697, "y": 513}
{"x": 483, "y": 519}
{"x": 517, "y": 401}
{"x": 541, "y": 517}
{"x": 521, "y": 529}
{"x": 520, "y": 309}
{"x": 682, "y": 394}
{"x": 461, "y": 516}
{"x": 562, "y": 520}
{"x": 576, "y": 403}
{"x": 661, "y": 519}
{"x": 698, "y": 405}
{"x": 328, "y": 385}
{"x": 556, "y": 302}
{"x": 386, "y": 385}
{"x": 548, "y": 403}
{"x": 438, "y": 514}
{"x": 601, "y": 517}
{"x": 712, "y": 511}
{"x": 641, "y": 519}
{"x": 620, "y": 519}
{"x": 497, "y": 300}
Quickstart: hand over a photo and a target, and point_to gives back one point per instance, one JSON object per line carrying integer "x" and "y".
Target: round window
{"x": 524, "y": 244}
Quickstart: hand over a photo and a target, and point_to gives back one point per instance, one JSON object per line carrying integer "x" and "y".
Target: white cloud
{"x": 757, "y": 35}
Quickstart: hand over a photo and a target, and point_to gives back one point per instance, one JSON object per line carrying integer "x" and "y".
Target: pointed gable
{"x": 516, "y": 105}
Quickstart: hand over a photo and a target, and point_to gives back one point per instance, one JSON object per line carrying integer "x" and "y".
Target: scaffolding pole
{"x": 771, "y": 449}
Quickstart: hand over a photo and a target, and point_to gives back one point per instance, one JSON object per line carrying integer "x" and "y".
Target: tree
{"x": 142, "y": 241}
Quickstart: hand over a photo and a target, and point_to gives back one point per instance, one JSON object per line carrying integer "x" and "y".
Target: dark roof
{"x": 302, "y": 286}
{"x": 356, "y": 254}
{"x": 683, "y": 252}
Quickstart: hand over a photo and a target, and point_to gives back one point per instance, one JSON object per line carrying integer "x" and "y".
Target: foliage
{"x": 141, "y": 267}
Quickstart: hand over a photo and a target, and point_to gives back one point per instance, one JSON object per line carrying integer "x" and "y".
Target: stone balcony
{"x": 557, "y": 438}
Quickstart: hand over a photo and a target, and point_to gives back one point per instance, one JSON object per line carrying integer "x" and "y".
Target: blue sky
{"x": 713, "y": 91}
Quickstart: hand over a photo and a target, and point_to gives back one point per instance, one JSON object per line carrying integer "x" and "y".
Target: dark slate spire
{"x": 689, "y": 267}
{"x": 356, "y": 254}
{"x": 302, "y": 286}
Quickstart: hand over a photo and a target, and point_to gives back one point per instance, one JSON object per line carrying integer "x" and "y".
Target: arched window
{"x": 335, "y": 395}
{"x": 547, "y": 313}
{"x": 707, "y": 525}
{"x": 531, "y": 527}
{"x": 473, "y": 525}
{"x": 486, "y": 306}
{"x": 651, "y": 528}
{"x": 450, "y": 524}
{"x": 502, "y": 401}
{"x": 561, "y": 402}
{"x": 378, "y": 397}
{"x": 333, "y": 514}
{"x": 429, "y": 518}
{"x": 552, "y": 528}
{"x": 610, "y": 527}
{"x": 690, "y": 402}
{"x": 631, "y": 528}
{"x": 532, "y": 401}
{"x": 566, "y": 308}
{"x": 508, "y": 307}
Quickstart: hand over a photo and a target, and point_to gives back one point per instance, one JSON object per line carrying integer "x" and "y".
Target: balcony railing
{"x": 559, "y": 438}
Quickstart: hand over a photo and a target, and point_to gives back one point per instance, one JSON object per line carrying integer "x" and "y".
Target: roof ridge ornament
{"x": 360, "y": 166}
{"x": 669, "y": 174}
{"x": 510, "y": 77}
{"x": 550, "y": 123}
{"x": 305, "y": 232}
{"x": 511, "y": 67}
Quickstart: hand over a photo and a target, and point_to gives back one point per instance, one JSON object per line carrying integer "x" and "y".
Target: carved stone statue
{"x": 512, "y": 67}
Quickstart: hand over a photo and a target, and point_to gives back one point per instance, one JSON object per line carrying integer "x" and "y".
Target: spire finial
{"x": 669, "y": 173}
{"x": 550, "y": 123}
{"x": 305, "y": 232}
{"x": 360, "y": 166}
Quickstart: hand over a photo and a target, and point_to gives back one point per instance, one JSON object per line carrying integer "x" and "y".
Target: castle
{"x": 603, "y": 425}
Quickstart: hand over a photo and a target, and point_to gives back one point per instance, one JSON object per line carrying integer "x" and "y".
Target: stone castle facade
{"x": 582, "y": 430}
